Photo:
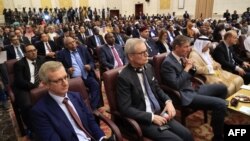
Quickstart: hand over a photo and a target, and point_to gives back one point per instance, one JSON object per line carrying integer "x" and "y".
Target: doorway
{"x": 138, "y": 9}
{"x": 114, "y": 13}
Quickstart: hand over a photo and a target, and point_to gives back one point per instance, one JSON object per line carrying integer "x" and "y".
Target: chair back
{"x": 158, "y": 59}
{"x": 110, "y": 79}
{"x": 75, "y": 84}
{"x": 10, "y": 69}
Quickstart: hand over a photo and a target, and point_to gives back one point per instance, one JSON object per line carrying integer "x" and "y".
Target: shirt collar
{"x": 176, "y": 57}
{"x": 58, "y": 99}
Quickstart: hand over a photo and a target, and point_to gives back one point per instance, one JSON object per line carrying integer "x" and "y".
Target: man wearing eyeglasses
{"x": 25, "y": 71}
{"x": 141, "y": 98}
{"x": 61, "y": 115}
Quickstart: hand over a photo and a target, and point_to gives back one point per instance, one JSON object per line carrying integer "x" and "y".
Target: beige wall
{"x": 128, "y": 6}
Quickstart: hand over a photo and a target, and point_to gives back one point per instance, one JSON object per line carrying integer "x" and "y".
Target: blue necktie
{"x": 19, "y": 53}
{"x": 120, "y": 40}
{"x": 80, "y": 64}
{"x": 153, "y": 101}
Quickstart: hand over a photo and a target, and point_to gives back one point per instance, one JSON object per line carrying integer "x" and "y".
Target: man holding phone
{"x": 141, "y": 98}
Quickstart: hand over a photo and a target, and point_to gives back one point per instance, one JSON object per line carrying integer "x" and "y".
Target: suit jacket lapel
{"x": 27, "y": 68}
{"x": 136, "y": 82}
{"x": 177, "y": 64}
{"x": 55, "y": 108}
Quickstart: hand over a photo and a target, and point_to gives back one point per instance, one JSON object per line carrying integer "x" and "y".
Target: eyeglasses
{"x": 30, "y": 51}
{"x": 60, "y": 80}
{"x": 145, "y": 52}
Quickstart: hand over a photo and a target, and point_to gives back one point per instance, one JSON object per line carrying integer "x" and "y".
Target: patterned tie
{"x": 76, "y": 118}
{"x": 48, "y": 47}
{"x": 37, "y": 80}
{"x": 117, "y": 58}
{"x": 80, "y": 64}
{"x": 19, "y": 53}
{"x": 153, "y": 101}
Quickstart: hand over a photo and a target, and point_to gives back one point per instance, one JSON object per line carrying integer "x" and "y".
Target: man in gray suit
{"x": 177, "y": 70}
{"x": 141, "y": 98}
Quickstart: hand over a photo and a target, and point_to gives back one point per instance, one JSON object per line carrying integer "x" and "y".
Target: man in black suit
{"x": 141, "y": 98}
{"x": 81, "y": 35}
{"x": 149, "y": 42}
{"x": 228, "y": 59}
{"x": 23, "y": 39}
{"x": 119, "y": 38}
{"x": 95, "y": 41}
{"x": 177, "y": 71}
{"x": 25, "y": 79}
{"x": 108, "y": 52}
{"x": 15, "y": 49}
{"x": 46, "y": 47}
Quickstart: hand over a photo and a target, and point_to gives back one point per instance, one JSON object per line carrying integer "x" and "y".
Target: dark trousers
{"x": 23, "y": 101}
{"x": 176, "y": 132}
{"x": 94, "y": 90}
{"x": 212, "y": 97}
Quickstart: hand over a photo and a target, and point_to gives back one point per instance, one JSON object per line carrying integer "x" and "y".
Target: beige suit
{"x": 232, "y": 81}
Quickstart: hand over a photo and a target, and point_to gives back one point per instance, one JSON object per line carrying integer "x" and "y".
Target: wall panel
{"x": 46, "y": 3}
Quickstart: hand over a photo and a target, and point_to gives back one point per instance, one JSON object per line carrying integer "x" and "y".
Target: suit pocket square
{"x": 153, "y": 78}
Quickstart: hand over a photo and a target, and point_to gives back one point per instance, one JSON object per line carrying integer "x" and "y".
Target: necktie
{"x": 80, "y": 64}
{"x": 148, "y": 46}
{"x": 76, "y": 118}
{"x": 120, "y": 40}
{"x": 48, "y": 47}
{"x": 153, "y": 101}
{"x": 231, "y": 60}
{"x": 98, "y": 42}
{"x": 19, "y": 53}
{"x": 117, "y": 58}
{"x": 37, "y": 80}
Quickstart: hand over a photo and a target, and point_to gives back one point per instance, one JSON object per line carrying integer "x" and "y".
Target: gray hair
{"x": 49, "y": 66}
{"x": 131, "y": 44}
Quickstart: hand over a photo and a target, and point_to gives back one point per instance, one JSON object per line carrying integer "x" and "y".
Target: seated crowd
{"x": 49, "y": 54}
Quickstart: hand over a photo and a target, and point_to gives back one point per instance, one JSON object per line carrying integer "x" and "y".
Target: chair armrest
{"x": 10, "y": 93}
{"x": 200, "y": 79}
{"x": 131, "y": 122}
{"x": 110, "y": 123}
{"x": 170, "y": 91}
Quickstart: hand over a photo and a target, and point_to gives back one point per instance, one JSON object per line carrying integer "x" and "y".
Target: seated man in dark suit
{"x": 228, "y": 59}
{"x": 79, "y": 63}
{"x": 46, "y": 47}
{"x": 149, "y": 42}
{"x": 141, "y": 98}
{"x": 15, "y": 49}
{"x": 25, "y": 79}
{"x": 61, "y": 115}
{"x": 23, "y": 39}
{"x": 81, "y": 35}
{"x": 177, "y": 71}
{"x": 95, "y": 41}
{"x": 111, "y": 54}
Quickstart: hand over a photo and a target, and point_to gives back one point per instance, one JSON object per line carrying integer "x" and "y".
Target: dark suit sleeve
{"x": 43, "y": 127}
{"x": 172, "y": 77}
{"x": 20, "y": 81}
{"x": 219, "y": 55}
{"x": 104, "y": 59}
{"x": 124, "y": 92}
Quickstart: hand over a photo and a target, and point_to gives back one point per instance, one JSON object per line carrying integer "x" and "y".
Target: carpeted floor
{"x": 201, "y": 131}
